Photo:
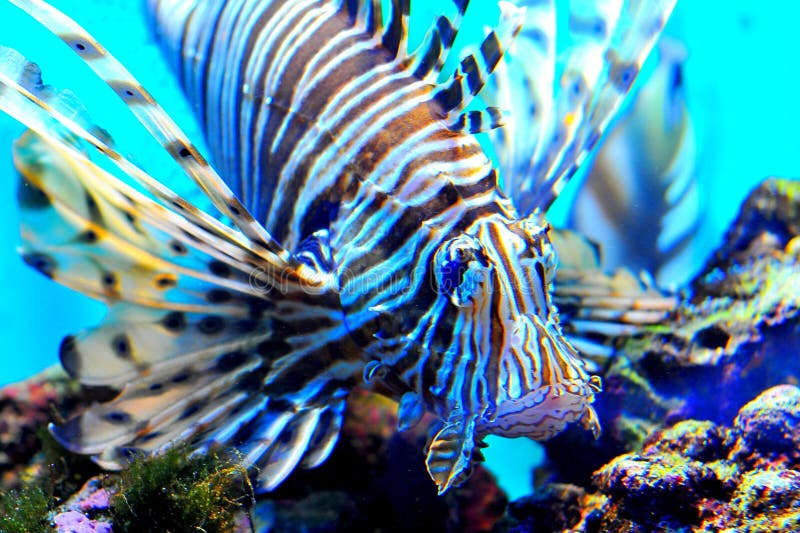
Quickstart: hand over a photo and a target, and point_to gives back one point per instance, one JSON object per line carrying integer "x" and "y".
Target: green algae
{"x": 177, "y": 492}
{"x": 66, "y": 472}
{"x": 26, "y": 510}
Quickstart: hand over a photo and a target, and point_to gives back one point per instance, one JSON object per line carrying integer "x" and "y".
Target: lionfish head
{"x": 527, "y": 378}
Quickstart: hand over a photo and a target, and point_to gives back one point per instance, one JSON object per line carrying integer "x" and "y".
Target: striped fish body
{"x": 339, "y": 142}
{"x": 314, "y": 116}
{"x": 365, "y": 239}
{"x": 334, "y": 138}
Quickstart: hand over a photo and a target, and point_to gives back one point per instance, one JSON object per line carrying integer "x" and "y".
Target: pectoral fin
{"x": 450, "y": 454}
{"x": 410, "y": 411}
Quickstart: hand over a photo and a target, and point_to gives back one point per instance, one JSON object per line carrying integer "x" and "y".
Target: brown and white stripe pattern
{"x": 349, "y": 172}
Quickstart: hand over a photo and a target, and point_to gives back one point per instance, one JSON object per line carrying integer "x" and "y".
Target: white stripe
{"x": 329, "y": 165}
{"x": 297, "y": 37}
{"x": 262, "y": 53}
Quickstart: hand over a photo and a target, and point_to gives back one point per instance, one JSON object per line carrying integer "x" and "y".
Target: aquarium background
{"x": 741, "y": 77}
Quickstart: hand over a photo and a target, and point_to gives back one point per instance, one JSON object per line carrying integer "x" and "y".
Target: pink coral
{"x": 75, "y": 522}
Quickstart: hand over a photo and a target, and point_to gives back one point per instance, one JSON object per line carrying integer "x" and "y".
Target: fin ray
{"x": 469, "y": 78}
{"x": 155, "y": 120}
{"x": 612, "y": 38}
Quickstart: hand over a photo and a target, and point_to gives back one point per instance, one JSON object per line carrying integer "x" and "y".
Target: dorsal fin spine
{"x": 428, "y": 54}
{"x": 352, "y": 8}
{"x": 395, "y": 36}
{"x": 471, "y": 75}
{"x": 630, "y": 45}
{"x": 374, "y": 17}
{"x": 448, "y": 30}
{"x": 478, "y": 121}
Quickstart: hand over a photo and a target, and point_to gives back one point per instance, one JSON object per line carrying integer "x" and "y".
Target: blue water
{"x": 741, "y": 79}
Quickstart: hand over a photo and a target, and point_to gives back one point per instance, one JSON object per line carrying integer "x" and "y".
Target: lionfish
{"x": 359, "y": 235}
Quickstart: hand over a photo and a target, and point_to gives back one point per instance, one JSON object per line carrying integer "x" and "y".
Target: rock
{"x": 769, "y": 427}
{"x": 558, "y": 507}
{"x": 767, "y": 500}
{"x": 25, "y": 446}
{"x": 86, "y": 511}
{"x": 24, "y": 410}
{"x": 694, "y": 439}
{"x": 692, "y": 476}
{"x": 92, "y": 497}
{"x": 735, "y": 331}
{"x": 319, "y": 512}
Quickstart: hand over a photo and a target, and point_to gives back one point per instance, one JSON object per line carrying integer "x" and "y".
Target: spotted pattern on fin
{"x": 368, "y": 239}
{"x": 154, "y": 118}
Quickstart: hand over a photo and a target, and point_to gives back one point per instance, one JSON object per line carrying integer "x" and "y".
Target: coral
{"x": 26, "y": 447}
{"x": 86, "y": 511}
{"x": 692, "y": 476}
{"x": 770, "y": 428}
{"x": 766, "y": 491}
{"x": 75, "y": 522}
{"x": 24, "y": 409}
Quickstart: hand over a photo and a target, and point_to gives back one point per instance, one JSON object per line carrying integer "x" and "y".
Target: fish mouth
{"x": 542, "y": 413}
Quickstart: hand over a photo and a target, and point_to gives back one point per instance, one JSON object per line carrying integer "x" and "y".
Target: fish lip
{"x": 551, "y": 406}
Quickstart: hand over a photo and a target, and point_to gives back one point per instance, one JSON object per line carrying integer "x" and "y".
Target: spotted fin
{"x": 610, "y": 40}
{"x": 196, "y": 345}
{"x": 79, "y": 229}
{"x": 59, "y": 118}
{"x": 156, "y": 121}
{"x": 210, "y": 404}
{"x": 192, "y": 360}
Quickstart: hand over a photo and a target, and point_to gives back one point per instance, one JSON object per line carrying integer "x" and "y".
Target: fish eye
{"x": 460, "y": 265}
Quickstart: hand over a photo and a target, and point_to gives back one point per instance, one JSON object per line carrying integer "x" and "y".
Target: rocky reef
{"x": 692, "y": 476}
{"x": 700, "y": 413}
{"x": 731, "y": 336}
{"x": 684, "y": 448}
